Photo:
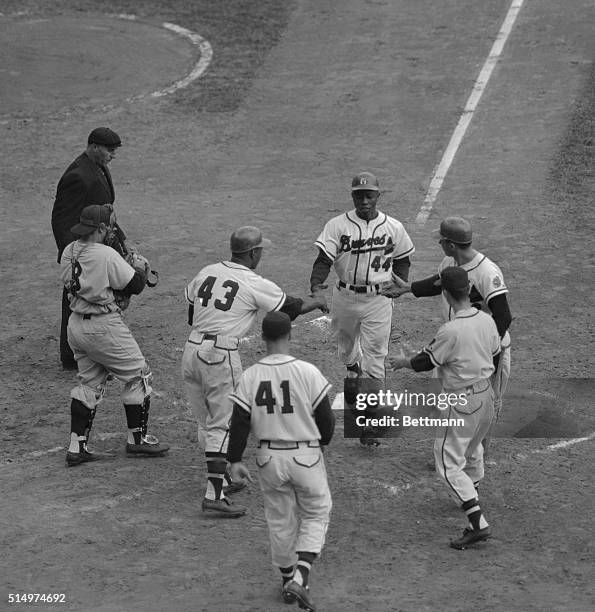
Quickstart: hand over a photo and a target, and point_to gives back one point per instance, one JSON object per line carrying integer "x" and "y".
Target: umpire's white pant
{"x": 297, "y": 499}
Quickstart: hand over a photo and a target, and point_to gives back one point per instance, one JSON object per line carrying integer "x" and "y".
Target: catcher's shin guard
{"x": 81, "y": 421}
{"x": 137, "y": 418}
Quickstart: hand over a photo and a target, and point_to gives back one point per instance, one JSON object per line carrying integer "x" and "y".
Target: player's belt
{"x": 283, "y": 445}
{"x": 359, "y": 288}
{"x": 229, "y": 343}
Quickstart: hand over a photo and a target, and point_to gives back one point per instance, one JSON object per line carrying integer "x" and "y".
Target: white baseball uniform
{"x": 362, "y": 253}
{"x": 463, "y": 351}
{"x": 281, "y": 393}
{"x": 486, "y": 281}
{"x": 227, "y": 297}
{"x": 99, "y": 337}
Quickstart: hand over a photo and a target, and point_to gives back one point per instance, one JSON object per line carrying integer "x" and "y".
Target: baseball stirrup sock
{"x": 302, "y": 569}
{"x": 473, "y": 511}
{"x": 216, "y": 466}
{"x": 286, "y": 574}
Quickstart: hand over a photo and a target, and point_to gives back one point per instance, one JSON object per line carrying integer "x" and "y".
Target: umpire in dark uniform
{"x": 86, "y": 181}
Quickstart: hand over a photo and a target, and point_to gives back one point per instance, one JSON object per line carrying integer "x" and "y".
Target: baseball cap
{"x": 454, "y": 278}
{"x": 246, "y": 238}
{"x": 364, "y": 181}
{"x": 275, "y": 325}
{"x": 91, "y": 217}
{"x": 104, "y": 136}
{"x": 455, "y": 229}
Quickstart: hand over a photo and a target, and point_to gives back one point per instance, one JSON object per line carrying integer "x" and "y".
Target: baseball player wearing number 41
{"x": 367, "y": 248}
{"x": 224, "y": 300}
{"x": 284, "y": 402}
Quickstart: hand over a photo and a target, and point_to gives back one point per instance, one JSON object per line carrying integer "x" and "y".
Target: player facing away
{"x": 224, "y": 300}
{"x": 465, "y": 350}
{"x": 100, "y": 339}
{"x": 284, "y": 403}
{"x": 366, "y": 248}
{"x": 488, "y": 292}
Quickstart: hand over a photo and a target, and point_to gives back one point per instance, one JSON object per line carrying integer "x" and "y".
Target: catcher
{"x": 100, "y": 339}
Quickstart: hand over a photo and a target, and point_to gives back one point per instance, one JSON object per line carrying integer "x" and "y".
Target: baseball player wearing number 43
{"x": 224, "y": 300}
{"x": 367, "y": 248}
{"x": 284, "y": 402}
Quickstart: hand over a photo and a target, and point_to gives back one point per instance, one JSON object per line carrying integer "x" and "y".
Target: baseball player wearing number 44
{"x": 466, "y": 352}
{"x": 102, "y": 343}
{"x": 284, "y": 403}
{"x": 367, "y": 248}
{"x": 224, "y": 300}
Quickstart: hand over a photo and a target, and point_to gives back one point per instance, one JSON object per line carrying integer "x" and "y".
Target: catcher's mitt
{"x": 115, "y": 239}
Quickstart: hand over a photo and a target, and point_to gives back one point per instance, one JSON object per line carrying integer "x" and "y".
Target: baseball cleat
{"x": 367, "y": 438}
{"x": 148, "y": 447}
{"x": 301, "y": 594}
{"x": 471, "y": 536}
{"x": 288, "y": 598}
{"x": 354, "y": 370}
{"x": 82, "y": 457}
{"x": 223, "y": 507}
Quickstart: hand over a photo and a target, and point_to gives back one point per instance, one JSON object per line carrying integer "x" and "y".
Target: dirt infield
{"x": 270, "y": 136}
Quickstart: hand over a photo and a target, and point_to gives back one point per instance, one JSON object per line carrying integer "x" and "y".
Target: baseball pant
{"x": 104, "y": 345}
{"x": 458, "y": 451}
{"x": 210, "y": 374}
{"x": 361, "y": 325}
{"x": 500, "y": 380}
{"x": 297, "y": 499}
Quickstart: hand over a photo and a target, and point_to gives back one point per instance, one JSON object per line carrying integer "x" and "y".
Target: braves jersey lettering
{"x": 362, "y": 251}
{"x": 91, "y": 272}
{"x": 281, "y": 393}
{"x": 486, "y": 281}
{"x": 227, "y": 297}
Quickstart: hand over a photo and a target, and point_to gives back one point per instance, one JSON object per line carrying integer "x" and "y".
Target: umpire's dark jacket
{"x": 83, "y": 183}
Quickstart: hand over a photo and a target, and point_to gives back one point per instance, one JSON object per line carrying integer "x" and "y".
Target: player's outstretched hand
{"x": 399, "y": 361}
{"x": 395, "y": 288}
{"x": 240, "y": 473}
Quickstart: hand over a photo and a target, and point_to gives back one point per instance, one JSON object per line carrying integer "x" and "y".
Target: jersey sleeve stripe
{"x": 240, "y": 402}
{"x": 187, "y": 296}
{"x": 494, "y": 293}
{"x": 405, "y": 253}
{"x": 321, "y": 246}
{"x": 321, "y": 395}
{"x": 433, "y": 359}
{"x": 281, "y": 302}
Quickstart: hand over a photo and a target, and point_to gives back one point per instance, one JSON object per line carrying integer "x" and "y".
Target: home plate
{"x": 338, "y": 402}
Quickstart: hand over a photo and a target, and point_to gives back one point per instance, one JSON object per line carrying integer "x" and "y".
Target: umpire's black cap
{"x": 105, "y": 137}
{"x": 275, "y": 325}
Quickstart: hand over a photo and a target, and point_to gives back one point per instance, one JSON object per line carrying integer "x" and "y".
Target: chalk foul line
{"x": 478, "y": 88}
